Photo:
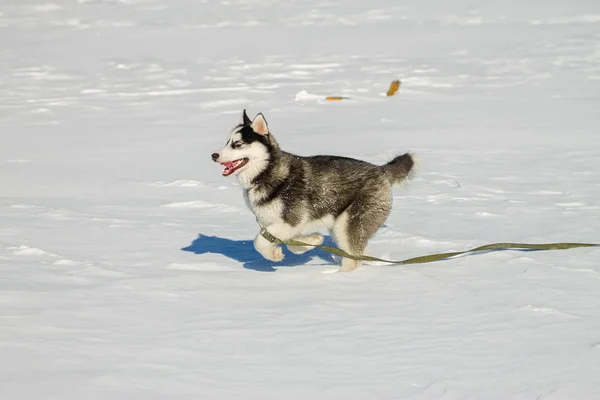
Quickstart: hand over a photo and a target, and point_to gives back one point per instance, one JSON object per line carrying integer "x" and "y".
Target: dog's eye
{"x": 235, "y": 145}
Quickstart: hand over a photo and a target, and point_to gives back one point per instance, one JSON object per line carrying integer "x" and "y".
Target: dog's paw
{"x": 275, "y": 255}
{"x": 315, "y": 239}
{"x": 348, "y": 265}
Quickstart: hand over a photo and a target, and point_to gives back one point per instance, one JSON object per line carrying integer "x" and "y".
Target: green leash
{"x": 431, "y": 257}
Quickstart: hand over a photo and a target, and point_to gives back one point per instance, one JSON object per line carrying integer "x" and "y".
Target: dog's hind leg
{"x": 357, "y": 224}
{"x": 315, "y": 239}
{"x": 341, "y": 235}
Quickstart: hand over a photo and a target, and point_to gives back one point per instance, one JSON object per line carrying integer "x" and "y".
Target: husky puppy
{"x": 294, "y": 197}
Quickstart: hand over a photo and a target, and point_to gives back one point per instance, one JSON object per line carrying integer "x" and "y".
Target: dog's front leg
{"x": 269, "y": 250}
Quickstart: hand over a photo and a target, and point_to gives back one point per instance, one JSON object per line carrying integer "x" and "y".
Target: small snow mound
{"x": 202, "y": 204}
{"x": 571, "y": 205}
{"x": 543, "y": 310}
{"x": 31, "y": 251}
{"x": 190, "y": 204}
{"x": 24, "y": 206}
{"x": 92, "y": 91}
{"x": 47, "y": 7}
{"x": 177, "y": 183}
{"x": 303, "y": 95}
{"x": 423, "y": 242}
{"x": 65, "y": 262}
{"x": 485, "y": 214}
{"x": 183, "y": 183}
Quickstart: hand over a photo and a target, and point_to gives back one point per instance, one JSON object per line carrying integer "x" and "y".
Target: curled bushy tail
{"x": 401, "y": 168}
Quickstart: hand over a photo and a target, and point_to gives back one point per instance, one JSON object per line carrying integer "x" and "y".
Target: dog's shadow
{"x": 243, "y": 251}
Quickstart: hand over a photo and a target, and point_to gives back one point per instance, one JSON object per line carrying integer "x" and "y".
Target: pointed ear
{"x": 245, "y": 119}
{"x": 259, "y": 125}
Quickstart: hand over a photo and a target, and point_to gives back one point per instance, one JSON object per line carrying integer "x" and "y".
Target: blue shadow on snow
{"x": 243, "y": 251}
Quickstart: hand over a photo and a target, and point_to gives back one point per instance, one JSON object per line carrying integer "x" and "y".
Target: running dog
{"x": 294, "y": 197}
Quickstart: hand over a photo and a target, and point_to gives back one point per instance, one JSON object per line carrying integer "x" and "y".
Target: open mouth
{"x": 232, "y": 166}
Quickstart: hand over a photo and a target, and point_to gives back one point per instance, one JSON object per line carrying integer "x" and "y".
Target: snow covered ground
{"x": 127, "y": 269}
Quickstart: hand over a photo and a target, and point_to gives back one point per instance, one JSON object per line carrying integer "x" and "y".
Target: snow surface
{"x": 126, "y": 262}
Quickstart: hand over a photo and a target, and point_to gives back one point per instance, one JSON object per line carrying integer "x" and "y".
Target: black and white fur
{"x": 294, "y": 197}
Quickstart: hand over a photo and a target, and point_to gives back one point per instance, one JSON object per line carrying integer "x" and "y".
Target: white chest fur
{"x": 267, "y": 214}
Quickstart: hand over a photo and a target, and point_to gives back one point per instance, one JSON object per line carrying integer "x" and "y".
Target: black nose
{"x": 215, "y": 156}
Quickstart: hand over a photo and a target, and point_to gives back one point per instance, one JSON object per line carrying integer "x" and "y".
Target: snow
{"x": 127, "y": 269}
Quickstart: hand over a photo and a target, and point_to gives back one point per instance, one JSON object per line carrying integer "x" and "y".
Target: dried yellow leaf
{"x": 394, "y": 86}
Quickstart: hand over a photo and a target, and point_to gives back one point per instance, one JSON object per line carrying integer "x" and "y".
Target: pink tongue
{"x": 228, "y": 164}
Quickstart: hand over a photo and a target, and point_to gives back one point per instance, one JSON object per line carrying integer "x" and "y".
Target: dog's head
{"x": 249, "y": 147}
